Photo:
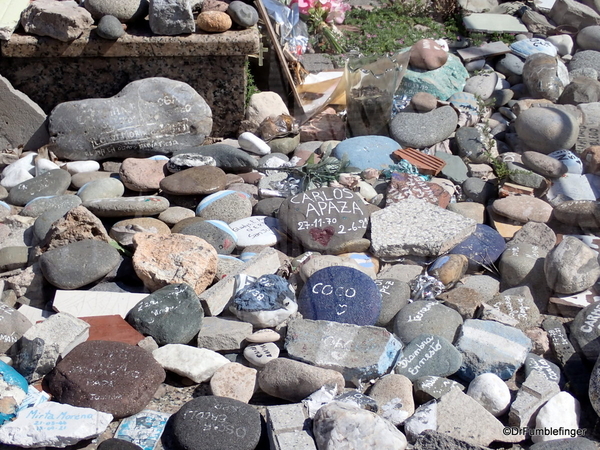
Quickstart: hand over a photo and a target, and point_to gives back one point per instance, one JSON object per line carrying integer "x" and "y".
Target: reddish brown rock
{"x": 78, "y": 224}
{"x": 403, "y": 186}
{"x": 112, "y": 377}
{"x": 215, "y": 5}
{"x": 235, "y": 381}
{"x": 201, "y": 180}
{"x": 112, "y": 328}
{"x": 427, "y": 55}
{"x": 591, "y": 159}
{"x": 160, "y": 260}
{"x": 214, "y": 21}
{"x": 142, "y": 175}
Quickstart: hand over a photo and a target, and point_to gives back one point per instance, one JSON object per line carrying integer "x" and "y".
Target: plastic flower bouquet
{"x": 321, "y": 17}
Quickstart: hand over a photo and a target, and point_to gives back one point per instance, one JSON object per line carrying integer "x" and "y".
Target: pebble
{"x": 260, "y": 354}
{"x": 571, "y": 266}
{"x": 545, "y": 165}
{"x": 425, "y": 317}
{"x": 109, "y": 27}
{"x": 99, "y": 189}
{"x": 428, "y": 355}
{"x": 482, "y": 86}
{"x": 242, "y": 14}
{"x": 226, "y": 205}
{"x": 53, "y": 182}
{"x": 183, "y": 161}
{"x": 196, "y": 180}
{"x": 420, "y": 130}
{"x": 491, "y": 392}
{"x": 175, "y": 214}
{"x": 214, "y": 21}
{"x": 263, "y": 336}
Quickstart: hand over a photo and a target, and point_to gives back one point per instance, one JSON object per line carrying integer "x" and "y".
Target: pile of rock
{"x": 67, "y": 20}
{"x": 445, "y": 299}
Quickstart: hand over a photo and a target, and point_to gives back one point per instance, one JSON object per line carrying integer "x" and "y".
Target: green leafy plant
{"x": 251, "y": 88}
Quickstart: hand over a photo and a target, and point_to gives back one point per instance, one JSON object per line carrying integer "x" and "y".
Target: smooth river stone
{"x": 148, "y": 117}
{"x": 128, "y": 206}
{"x": 324, "y": 218}
{"x": 53, "y": 182}
{"x": 199, "y": 180}
{"x": 523, "y": 208}
{"x": 428, "y": 355}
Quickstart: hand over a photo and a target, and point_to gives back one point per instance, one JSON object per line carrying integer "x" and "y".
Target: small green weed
{"x": 251, "y": 88}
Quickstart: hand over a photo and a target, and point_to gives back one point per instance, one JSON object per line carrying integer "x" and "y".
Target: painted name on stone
{"x": 419, "y": 315}
{"x": 340, "y": 292}
{"x": 432, "y": 349}
{"x": 212, "y": 421}
{"x": 591, "y": 320}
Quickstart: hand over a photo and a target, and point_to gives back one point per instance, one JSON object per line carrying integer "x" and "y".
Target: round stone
{"x": 544, "y": 165}
{"x": 542, "y": 76}
{"x": 53, "y": 182}
{"x": 109, "y": 27}
{"x": 426, "y": 317}
{"x": 128, "y": 206}
{"x": 479, "y": 190}
{"x": 340, "y": 294}
{"x": 124, "y": 10}
{"x": 449, "y": 269}
{"x": 80, "y": 179}
{"x": 209, "y": 423}
{"x": 78, "y": 264}
{"x": 256, "y": 230}
{"x": 142, "y": 175}
{"x": 214, "y": 22}
{"x": 426, "y": 54}
{"x": 216, "y": 232}
{"x": 588, "y": 38}
{"x": 423, "y": 102}
{"x": 482, "y": 86}
{"x": 585, "y": 59}
{"x": 197, "y": 180}
{"x": 242, "y": 14}
{"x": 547, "y": 129}
{"x": 419, "y": 130}
{"x": 228, "y": 206}
{"x": 103, "y": 188}
{"x": 175, "y": 214}
{"x": 234, "y": 381}
{"x": 171, "y": 315}
{"x": 523, "y": 208}
{"x": 260, "y": 354}
{"x": 491, "y": 392}
{"x": 571, "y": 267}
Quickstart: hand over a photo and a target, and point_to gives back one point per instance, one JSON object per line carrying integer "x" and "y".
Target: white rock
{"x": 562, "y": 42}
{"x": 198, "y": 364}
{"x": 265, "y": 104}
{"x": 338, "y": 426}
{"x": 424, "y": 418}
{"x": 54, "y": 425}
{"x": 15, "y": 177}
{"x": 491, "y": 392}
{"x": 366, "y": 190}
{"x": 26, "y": 162}
{"x": 43, "y": 165}
{"x": 74, "y": 167}
{"x": 259, "y": 355}
{"x": 10, "y": 15}
{"x": 560, "y": 412}
{"x": 262, "y": 336}
{"x": 256, "y": 230}
{"x": 253, "y": 144}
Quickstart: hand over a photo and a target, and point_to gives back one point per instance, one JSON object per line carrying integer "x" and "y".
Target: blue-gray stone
{"x": 242, "y": 14}
{"x": 171, "y": 315}
{"x": 53, "y": 182}
{"x": 359, "y": 353}
{"x": 364, "y": 152}
{"x": 483, "y": 247}
{"x": 489, "y": 346}
{"x": 420, "y": 130}
{"x": 109, "y": 27}
{"x": 479, "y": 191}
{"x": 228, "y": 158}
{"x": 455, "y": 169}
{"x": 340, "y": 294}
{"x": 40, "y": 205}
{"x": 428, "y": 355}
{"x": 549, "y": 370}
{"x": 427, "y": 317}
{"x": 267, "y": 293}
{"x": 441, "y": 83}
{"x": 510, "y": 65}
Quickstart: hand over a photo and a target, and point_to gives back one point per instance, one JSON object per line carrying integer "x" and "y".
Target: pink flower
{"x": 304, "y": 6}
{"x": 337, "y": 11}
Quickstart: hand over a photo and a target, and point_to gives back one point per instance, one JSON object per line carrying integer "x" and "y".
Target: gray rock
{"x": 171, "y": 315}
{"x": 580, "y": 90}
{"x": 53, "y": 182}
{"x": 228, "y": 158}
{"x": 579, "y": 213}
{"x": 537, "y": 22}
{"x": 523, "y": 208}
{"x": 544, "y": 165}
{"x": 219, "y": 334}
{"x": 394, "y": 296}
{"x": 427, "y": 317}
{"x": 14, "y": 325}
{"x": 109, "y": 27}
{"x": 534, "y": 392}
{"x": 432, "y": 388}
{"x": 124, "y": 10}
{"x": 455, "y": 169}
{"x": 571, "y": 12}
{"x": 523, "y": 264}
{"x": 432, "y": 440}
{"x": 24, "y": 121}
{"x": 242, "y": 14}
{"x": 13, "y": 258}
{"x": 419, "y": 130}
{"x": 393, "y": 395}
{"x": 518, "y": 304}
{"x": 184, "y": 161}
{"x": 423, "y": 229}
{"x": 585, "y": 59}
{"x": 519, "y": 174}
{"x": 585, "y": 72}
{"x": 479, "y": 190}
{"x": 571, "y": 266}
{"x": 482, "y": 85}
{"x": 535, "y": 233}
{"x": 63, "y": 266}
{"x": 474, "y": 145}
{"x": 510, "y": 65}
{"x": 65, "y": 21}
{"x": 171, "y": 17}
{"x": 579, "y": 443}
{"x": 368, "y": 429}
{"x": 588, "y": 38}
{"x": 358, "y": 352}
{"x": 585, "y": 331}
{"x": 428, "y": 355}
{"x": 128, "y": 206}
{"x": 146, "y": 118}
{"x": 541, "y": 76}
{"x": 535, "y": 363}
{"x": 40, "y": 205}
{"x": 102, "y": 188}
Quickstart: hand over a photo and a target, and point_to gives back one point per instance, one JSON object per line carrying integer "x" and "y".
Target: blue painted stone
{"x": 483, "y": 247}
{"x": 364, "y": 152}
{"x": 12, "y": 378}
{"x": 489, "y": 346}
{"x": 5, "y": 205}
{"x": 267, "y": 293}
{"x": 159, "y": 158}
{"x": 527, "y": 47}
{"x": 442, "y": 82}
{"x": 464, "y": 101}
{"x": 340, "y": 294}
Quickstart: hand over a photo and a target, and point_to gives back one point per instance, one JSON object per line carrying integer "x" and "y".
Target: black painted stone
{"x": 79, "y": 263}
{"x": 53, "y": 182}
{"x": 585, "y": 330}
{"x": 324, "y": 218}
{"x": 148, "y": 117}
{"x": 340, "y": 294}
{"x": 112, "y": 377}
{"x": 171, "y": 315}
{"x": 216, "y": 423}
{"x": 549, "y": 370}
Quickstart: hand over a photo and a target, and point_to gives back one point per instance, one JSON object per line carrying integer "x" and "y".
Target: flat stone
{"x": 234, "y": 381}
{"x": 364, "y": 152}
{"x": 128, "y": 206}
{"x": 142, "y": 175}
{"x": 40, "y": 205}
{"x": 62, "y": 266}
{"x": 226, "y": 205}
{"x": 185, "y": 119}
{"x": 197, "y": 364}
{"x": 171, "y": 315}
{"x": 174, "y": 214}
{"x": 200, "y": 180}
{"x": 260, "y": 354}
{"x": 455, "y": 169}
{"x": 340, "y": 294}
{"x": 492, "y": 347}
{"x": 358, "y": 352}
{"x": 518, "y": 303}
{"x": 193, "y": 424}
{"x": 257, "y": 230}
{"x": 54, "y": 182}
{"x": 544, "y": 165}
{"x": 286, "y": 427}
{"x": 523, "y": 264}
{"x": 423, "y": 229}
{"x": 547, "y": 369}
{"x": 523, "y": 208}
{"x": 102, "y": 188}
{"x": 585, "y": 331}
{"x": 112, "y": 328}
{"x": 300, "y": 379}
{"x": 223, "y": 334}
{"x": 64, "y": 21}
{"x": 419, "y": 130}
{"x": 426, "y": 317}
{"x": 583, "y": 213}
{"x": 428, "y": 355}
{"x": 14, "y": 325}
{"x": 124, "y": 230}
{"x": 574, "y": 187}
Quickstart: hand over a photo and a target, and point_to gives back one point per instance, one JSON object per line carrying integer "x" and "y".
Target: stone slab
{"x": 10, "y": 15}
{"x": 215, "y": 299}
{"x": 112, "y": 328}
{"x": 34, "y": 315}
{"x": 95, "y": 303}
{"x": 288, "y": 427}
{"x": 484, "y": 51}
{"x": 494, "y": 23}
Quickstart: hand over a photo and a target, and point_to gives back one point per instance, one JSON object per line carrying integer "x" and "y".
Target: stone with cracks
{"x": 420, "y": 229}
{"x": 148, "y": 117}
{"x": 65, "y": 21}
{"x": 171, "y": 17}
